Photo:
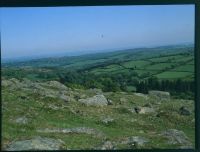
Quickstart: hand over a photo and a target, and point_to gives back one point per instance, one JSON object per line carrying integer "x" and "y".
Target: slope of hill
{"x": 58, "y": 117}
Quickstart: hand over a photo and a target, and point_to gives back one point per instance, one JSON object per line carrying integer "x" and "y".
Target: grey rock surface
{"x": 176, "y": 137}
{"x": 107, "y": 145}
{"x": 108, "y": 120}
{"x": 97, "y": 100}
{"x": 66, "y": 98}
{"x": 21, "y": 120}
{"x": 143, "y": 110}
{"x": 135, "y": 141}
{"x": 110, "y": 102}
{"x": 37, "y": 143}
{"x": 77, "y": 130}
{"x": 146, "y": 110}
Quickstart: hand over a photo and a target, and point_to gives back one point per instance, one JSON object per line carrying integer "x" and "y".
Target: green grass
{"x": 185, "y": 68}
{"x": 138, "y": 64}
{"x": 143, "y": 71}
{"x": 166, "y": 58}
{"x": 173, "y": 75}
{"x": 84, "y": 63}
{"x": 160, "y": 66}
{"x": 185, "y": 58}
{"x": 191, "y": 62}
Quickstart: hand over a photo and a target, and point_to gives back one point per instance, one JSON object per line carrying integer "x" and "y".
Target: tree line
{"x": 120, "y": 82}
{"x": 153, "y": 83}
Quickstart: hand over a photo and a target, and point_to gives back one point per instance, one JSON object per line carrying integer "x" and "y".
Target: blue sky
{"x": 54, "y": 30}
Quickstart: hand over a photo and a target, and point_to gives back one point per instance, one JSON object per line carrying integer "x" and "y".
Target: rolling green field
{"x": 167, "y": 67}
{"x": 86, "y": 71}
{"x": 173, "y": 75}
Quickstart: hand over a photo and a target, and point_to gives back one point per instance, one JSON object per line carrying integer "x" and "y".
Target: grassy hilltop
{"x": 101, "y": 101}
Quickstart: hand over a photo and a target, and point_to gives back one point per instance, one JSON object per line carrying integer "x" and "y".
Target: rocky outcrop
{"x": 6, "y": 83}
{"x": 56, "y": 85}
{"x": 52, "y": 89}
{"x": 98, "y": 100}
{"x": 66, "y": 98}
{"x": 176, "y": 137}
{"x": 11, "y": 83}
{"x": 37, "y": 143}
{"x": 160, "y": 95}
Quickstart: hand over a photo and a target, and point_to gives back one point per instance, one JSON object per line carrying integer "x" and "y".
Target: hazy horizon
{"x": 71, "y": 54}
{"x": 31, "y": 32}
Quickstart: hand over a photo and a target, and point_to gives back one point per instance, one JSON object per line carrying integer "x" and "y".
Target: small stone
{"x": 21, "y": 120}
{"x": 184, "y": 111}
{"x": 110, "y": 102}
{"x": 108, "y": 120}
{"x": 137, "y": 109}
{"x": 132, "y": 110}
{"x": 54, "y": 107}
{"x": 144, "y": 110}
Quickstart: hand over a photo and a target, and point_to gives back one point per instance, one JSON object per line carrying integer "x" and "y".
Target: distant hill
{"x": 125, "y": 70}
{"x": 103, "y": 56}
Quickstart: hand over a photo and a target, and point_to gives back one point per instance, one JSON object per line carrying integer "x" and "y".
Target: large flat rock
{"x": 98, "y": 100}
{"x": 176, "y": 137}
{"x": 37, "y": 143}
